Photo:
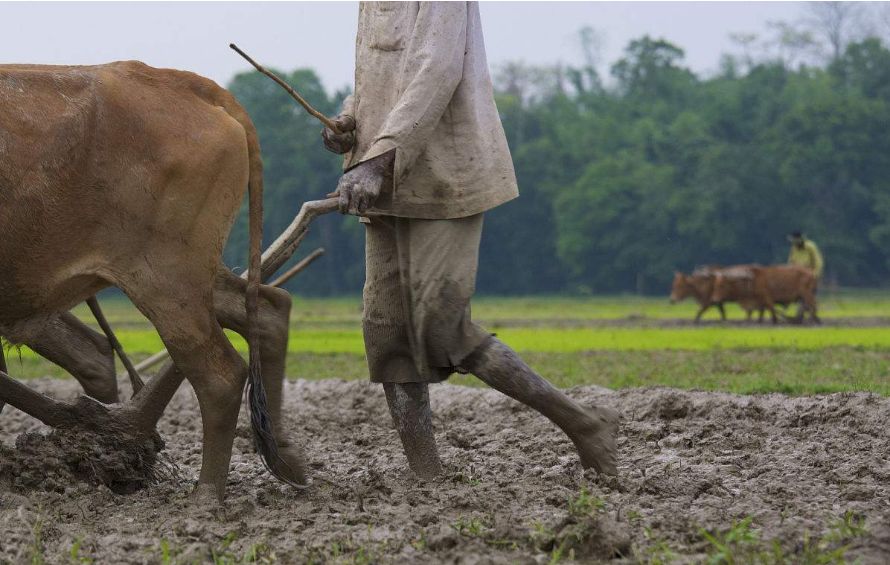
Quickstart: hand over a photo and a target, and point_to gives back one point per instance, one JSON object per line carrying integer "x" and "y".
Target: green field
{"x": 615, "y": 342}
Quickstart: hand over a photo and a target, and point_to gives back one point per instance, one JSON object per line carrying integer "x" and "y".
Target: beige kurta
{"x": 422, "y": 87}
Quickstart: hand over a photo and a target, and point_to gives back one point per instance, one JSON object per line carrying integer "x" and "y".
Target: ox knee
{"x": 82, "y": 352}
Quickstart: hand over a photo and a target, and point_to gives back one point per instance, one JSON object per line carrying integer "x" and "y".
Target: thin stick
{"x": 290, "y": 90}
{"x": 296, "y": 269}
{"x": 135, "y": 381}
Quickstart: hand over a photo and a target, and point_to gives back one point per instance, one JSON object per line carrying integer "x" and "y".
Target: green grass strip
{"x": 568, "y": 340}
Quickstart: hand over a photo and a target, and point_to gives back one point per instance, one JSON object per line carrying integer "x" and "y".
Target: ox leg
{"x": 722, "y": 311}
{"x": 701, "y": 310}
{"x": 409, "y": 406}
{"x": 591, "y": 430}
{"x": 84, "y": 353}
{"x": 809, "y": 305}
{"x": 274, "y": 321}
{"x": 199, "y": 348}
{"x": 772, "y": 312}
{"x": 2, "y": 368}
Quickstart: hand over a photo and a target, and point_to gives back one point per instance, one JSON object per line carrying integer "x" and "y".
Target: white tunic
{"x": 422, "y": 87}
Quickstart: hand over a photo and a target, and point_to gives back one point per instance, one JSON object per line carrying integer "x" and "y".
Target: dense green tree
{"x": 623, "y": 182}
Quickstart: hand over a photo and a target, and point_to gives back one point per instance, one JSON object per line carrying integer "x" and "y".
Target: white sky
{"x": 287, "y": 35}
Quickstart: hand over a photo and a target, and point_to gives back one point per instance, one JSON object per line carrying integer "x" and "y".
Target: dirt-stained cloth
{"x": 422, "y": 87}
{"x": 421, "y": 275}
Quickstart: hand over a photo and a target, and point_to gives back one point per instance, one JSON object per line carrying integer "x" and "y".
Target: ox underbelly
{"x": 24, "y": 312}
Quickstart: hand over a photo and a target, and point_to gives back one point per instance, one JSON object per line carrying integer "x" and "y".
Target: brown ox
{"x": 131, "y": 176}
{"x": 761, "y": 288}
{"x": 699, "y": 285}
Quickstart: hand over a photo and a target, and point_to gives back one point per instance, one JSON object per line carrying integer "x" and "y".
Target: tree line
{"x": 629, "y": 174}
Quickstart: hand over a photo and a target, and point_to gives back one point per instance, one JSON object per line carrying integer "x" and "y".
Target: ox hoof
{"x": 595, "y": 441}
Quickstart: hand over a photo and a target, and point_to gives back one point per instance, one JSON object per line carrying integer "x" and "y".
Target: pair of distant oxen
{"x": 753, "y": 287}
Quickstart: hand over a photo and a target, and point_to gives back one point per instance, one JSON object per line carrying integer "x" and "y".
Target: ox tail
{"x": 260, "y": 418}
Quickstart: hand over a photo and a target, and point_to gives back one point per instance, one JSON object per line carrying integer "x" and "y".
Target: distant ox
{"x": 758, "y": 288}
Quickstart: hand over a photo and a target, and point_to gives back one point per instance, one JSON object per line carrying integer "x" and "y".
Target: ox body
{"x": 129, "y": 176}
{"x": 758, "y": 287}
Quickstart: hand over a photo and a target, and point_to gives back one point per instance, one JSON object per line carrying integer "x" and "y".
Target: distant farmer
{"x": 425, "y": 158}
{"x": 805, "y": 253}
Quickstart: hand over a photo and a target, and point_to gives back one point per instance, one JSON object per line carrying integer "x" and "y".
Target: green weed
{"x": 36, "y": 547}
{"x": 472, "y": 526}
{"x": 75, "y": 556}
{"x": 586, "y": 505}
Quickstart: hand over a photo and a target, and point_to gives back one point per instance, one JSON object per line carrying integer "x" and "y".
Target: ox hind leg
{"x": 809, "y": 305}
{"x": 274, "y": 325}
{"x": 183, "y": 315}
{"x": 82, "y": 352}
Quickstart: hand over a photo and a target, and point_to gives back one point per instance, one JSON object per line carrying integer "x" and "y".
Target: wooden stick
{"x": 135, "y": 381}
{"x": 290, "y": 90}
{"x": 296, "y": 269}
{"x": 283, "y": 248}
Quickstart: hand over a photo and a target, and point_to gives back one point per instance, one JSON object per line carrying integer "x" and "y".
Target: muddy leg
{"x": 409, "y": 406}
{"x": 591, "y": 430}
{"x": 86, "y": 354}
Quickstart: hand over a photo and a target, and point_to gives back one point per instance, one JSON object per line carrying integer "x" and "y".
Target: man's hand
{"x": 360, "y": 186}
{"x": 340, "y": 143}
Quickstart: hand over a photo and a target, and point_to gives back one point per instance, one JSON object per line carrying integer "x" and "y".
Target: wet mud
{"x": 800, "y": 475}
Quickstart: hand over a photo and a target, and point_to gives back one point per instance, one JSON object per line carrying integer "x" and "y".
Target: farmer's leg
{"x": 389, "y": 352}
{"x": 592, "y": 430}
{"x": 443, "y": 258}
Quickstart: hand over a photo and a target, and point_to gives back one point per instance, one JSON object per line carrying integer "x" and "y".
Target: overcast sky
{"x": 287, "y": 35}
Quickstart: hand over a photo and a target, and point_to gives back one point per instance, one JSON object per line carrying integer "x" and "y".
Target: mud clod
{"x": 60, "y": 459}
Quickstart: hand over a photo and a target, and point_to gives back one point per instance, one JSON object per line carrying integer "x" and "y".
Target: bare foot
{"x": 427, "y": 466}
{"x": 595, "y": 441}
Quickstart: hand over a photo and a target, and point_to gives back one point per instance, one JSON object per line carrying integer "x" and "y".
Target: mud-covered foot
{"x": 291, "y": 464}
{"x": 595, "y": 441}
{"x": 427, "y": 466}
{"x": 205, "y": 496}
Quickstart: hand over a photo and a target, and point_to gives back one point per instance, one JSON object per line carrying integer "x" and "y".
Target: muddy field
{"x": 771, "y": 478}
